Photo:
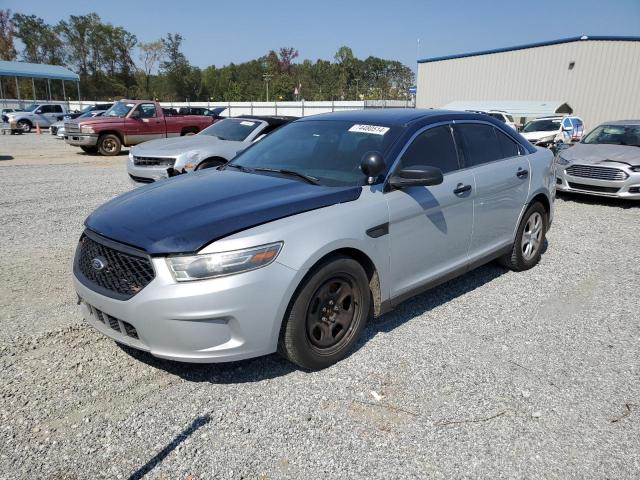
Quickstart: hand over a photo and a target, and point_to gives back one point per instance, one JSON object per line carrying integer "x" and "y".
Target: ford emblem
{"x": 98, "y": 264}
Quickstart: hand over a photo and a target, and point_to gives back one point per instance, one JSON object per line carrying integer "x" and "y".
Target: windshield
{"x": 88, "y": 114}
{"x": 234, "y": 129}
{"x": 119, "y": 109}
{"x": 31, "y": 108}
{"x": 542, "y": 126}
{"x": 329, "y": 151}
{"x": 615, "y": 135}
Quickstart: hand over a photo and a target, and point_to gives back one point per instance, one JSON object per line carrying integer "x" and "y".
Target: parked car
{"x": 212, "y": 147}
{"x": 499, "y": 115}
{"x": 548, "y": 131}
{"x": 128, "y": 123}
{"x": 605, "y": 163}
{"x": 41, "y": 114}
{"x": 99, "y": 107}
{"x": 297, "y": 241}
{"x": 209, "y": 112}
{"x": 57, "y": 129}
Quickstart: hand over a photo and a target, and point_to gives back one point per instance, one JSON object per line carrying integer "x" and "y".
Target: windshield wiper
{"x": 291, "y": 173}
{"x": 239, "y": 167}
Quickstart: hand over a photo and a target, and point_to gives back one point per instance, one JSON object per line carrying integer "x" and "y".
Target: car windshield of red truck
{"x": 119, "y": 109}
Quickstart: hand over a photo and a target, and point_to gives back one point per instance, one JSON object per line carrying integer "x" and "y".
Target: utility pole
{"x": 267, "y": 78}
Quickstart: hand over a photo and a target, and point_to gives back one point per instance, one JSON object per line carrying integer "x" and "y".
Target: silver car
{"x": 212, "y": 147}
{"x": 58, "y": 130}
{"x": 304, "y": 236}
{"x": 605, "y": 163}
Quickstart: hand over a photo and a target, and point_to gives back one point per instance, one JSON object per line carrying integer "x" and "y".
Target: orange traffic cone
{"x": 38, "y": 128}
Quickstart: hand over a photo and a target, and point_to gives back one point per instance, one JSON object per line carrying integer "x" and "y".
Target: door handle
{"x": 462, "y": 189}
{"x": 522, "y": 173}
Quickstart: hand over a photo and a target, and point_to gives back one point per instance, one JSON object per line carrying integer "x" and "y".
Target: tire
{"x": 210, "y": 163}
{"x": 25, "y": 126}
{"x": 326, "y": 314}
{"x": 533, "y": 228}
{"x": 109, "y": 145}
{"x": 90, "y": 149}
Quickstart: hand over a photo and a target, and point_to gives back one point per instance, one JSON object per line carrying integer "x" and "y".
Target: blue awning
{"x": 36, "y": 70}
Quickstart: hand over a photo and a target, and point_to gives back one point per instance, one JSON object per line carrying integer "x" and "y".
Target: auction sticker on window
{"x": 374, "y": 129}
{"x": 247, "y": 124}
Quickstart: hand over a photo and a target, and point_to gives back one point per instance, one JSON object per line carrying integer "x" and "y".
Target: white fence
{"x": 295, "y": 109}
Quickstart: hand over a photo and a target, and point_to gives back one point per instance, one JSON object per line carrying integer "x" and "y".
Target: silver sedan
{"x": 605, "y": 163}
{"x": 212, "y": 147}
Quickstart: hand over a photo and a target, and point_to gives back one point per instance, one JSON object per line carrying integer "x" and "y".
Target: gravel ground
{"x": 495, "y": 374}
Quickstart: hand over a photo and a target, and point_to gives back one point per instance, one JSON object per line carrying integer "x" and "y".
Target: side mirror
{"x": 416, "y": 176}
{"x": 372, "y": 165}
{"x": 38, "y": 111}
{"x": 568, "y": 128}
{"x": 135, "y": 114}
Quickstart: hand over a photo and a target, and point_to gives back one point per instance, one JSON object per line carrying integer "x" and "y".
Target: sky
{"x": 220, "y": 32}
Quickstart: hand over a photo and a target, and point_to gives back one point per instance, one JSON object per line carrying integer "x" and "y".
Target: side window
{"x": 44, "y": 109}
{"x": 481, "y": 143}
{"x": 56, "y": 108}
{"x": 433, "y": 147}
{"x": 509, "y": 147}
{"x": 147, "y": 110}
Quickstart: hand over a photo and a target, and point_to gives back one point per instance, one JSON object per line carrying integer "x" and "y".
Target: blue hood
{"x": 185, "y": 213}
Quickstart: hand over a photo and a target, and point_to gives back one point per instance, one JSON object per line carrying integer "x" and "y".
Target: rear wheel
{"x": 90, "y": 149}
{"x": 109, "y": 145}
{"x": 25, "y": 126}
{"x": 530, "y": 238}
{"x": 327, "y": 314}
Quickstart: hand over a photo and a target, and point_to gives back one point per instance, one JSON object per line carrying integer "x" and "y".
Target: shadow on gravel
{"x": 6, "y": 157}
{"x": 177, "y": 440}
{"x": 272, "y": 366}
{"x": 243, "y": 371}
{"x": 593, "y": 200}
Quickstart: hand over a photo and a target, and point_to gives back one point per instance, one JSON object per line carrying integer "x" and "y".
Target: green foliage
{"x": 102, "y": 55}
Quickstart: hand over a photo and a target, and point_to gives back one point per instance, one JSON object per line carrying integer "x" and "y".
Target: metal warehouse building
{"x": 598, "y": 77}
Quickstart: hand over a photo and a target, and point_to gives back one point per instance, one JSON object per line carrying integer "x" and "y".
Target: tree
{"x": 183, "y": 80}
{"x": 7, "y": 31}
{"x": 41, "y": 41}
{"x": 151, "y": 55}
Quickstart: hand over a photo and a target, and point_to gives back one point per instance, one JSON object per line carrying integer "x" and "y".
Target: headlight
{"x": 87, "y": 129}
{"x": 636, "y": 168}
{"x": 212, "y": 265}
{"x": 561, "y": 160}
{"x": 130, "y": 156}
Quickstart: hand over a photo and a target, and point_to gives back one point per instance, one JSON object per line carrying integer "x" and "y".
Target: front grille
{"x": 71, "y": 127}
{"x": 114, "y": 323}
{"x": 600, "y": 173}
{"x": 153, "y": 161}
{"x": 115, "y": 271}
{"x": 593, "y": 188}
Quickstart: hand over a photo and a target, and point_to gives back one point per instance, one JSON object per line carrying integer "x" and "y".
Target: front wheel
{"x": 25, "y": 126}
{"x": 109, "y": 145}
{"x": 327, "y": 314}
{"x": 530, "y": 238}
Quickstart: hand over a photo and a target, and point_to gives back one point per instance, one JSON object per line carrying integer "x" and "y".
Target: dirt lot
{"x": 495, "y": 374}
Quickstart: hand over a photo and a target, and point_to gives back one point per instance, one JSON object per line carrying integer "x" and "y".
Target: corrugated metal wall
{"x": 603, "y": 85}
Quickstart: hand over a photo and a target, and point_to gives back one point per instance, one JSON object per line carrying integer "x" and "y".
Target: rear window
{"x": 481, "y": 143}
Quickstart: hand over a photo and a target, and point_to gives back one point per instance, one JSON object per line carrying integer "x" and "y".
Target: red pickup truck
{"x": 127, "y": 123}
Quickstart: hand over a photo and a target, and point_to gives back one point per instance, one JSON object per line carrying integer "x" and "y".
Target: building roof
{"x": 531, "y": 45}
{"x": 36, "y": 70}
{"x": 518, "y": 108}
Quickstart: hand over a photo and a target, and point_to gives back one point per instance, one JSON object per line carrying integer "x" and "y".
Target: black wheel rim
{"x": 331, "y": 313}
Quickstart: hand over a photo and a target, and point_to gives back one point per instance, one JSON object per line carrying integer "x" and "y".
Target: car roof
{"x": 622, "y": 122}
{"x": 393, "y": 116}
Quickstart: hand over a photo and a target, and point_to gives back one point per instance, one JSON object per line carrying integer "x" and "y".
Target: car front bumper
{"x": 81, "y": 140}
{"x": 628, "y": 188}
{"x": 218, "y": 320}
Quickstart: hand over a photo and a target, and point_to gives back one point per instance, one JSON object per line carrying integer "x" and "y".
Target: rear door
{"x": 430, "y": 227}
{"x": 501, "y": 171}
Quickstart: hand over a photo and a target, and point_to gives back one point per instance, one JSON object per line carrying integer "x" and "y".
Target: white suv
{"x": 547, "y": 131}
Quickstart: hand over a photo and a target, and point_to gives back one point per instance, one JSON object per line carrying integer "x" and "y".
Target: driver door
{"x": 145, "y": 124}
{"x": 430, "y": 227}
